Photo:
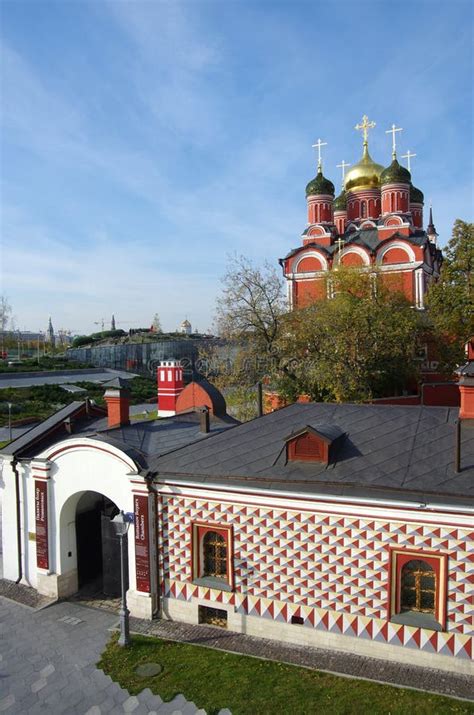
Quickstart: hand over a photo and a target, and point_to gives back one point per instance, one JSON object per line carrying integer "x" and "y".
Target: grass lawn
{"x": 248, "y": 686}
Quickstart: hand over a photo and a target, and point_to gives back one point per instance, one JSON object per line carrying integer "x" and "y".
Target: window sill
{"x": 417, "y": 620}
{"x": 211, "y": 582}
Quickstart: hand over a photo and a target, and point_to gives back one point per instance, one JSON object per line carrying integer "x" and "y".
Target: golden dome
{"x": 365, "y": 174}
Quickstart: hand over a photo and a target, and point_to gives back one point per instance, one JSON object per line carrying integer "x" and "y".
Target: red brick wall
{"x": 308, "y": 292}
{"x": 192, "y": 396}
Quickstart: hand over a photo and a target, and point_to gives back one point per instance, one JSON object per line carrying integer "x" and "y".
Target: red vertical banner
{"x": 142, "y": 543}
{"x": 41, "y": 516}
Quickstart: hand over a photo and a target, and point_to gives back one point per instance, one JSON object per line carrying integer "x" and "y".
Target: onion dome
{"x": 416, "y": 196}
{"x": 395, "y": 174}
{"x": 320, "y": 186}
{"x": 340, "y": 204}
{"x": 363, "y": 175}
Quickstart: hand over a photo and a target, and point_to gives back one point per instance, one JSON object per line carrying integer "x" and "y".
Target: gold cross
{"x": 393, "y": 131}
{"x": 342, "y": 166}
{"x": 408, "y": 156}
{"x": 318, "y": 146}
{"x": 365, "y": 126}
{"x": 340, "y": 244}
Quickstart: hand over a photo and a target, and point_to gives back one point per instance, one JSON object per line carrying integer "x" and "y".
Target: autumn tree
{"x": 450, "y": 301}
{"x": 357, "y": 346}
{"x": 251, "y": 305}
{"x": 5, "y": 315}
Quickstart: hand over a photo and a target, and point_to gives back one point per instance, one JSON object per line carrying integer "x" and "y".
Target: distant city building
{"x": 112, "y": 323}
{"x": 186, "y": 328}
{"x": 50, "y": 338}
{"x": 156, "y": 325}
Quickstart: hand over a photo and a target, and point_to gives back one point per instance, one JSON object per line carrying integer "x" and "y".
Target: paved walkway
{"x": 47, "y": 665}
{"x": 436, "y": 681}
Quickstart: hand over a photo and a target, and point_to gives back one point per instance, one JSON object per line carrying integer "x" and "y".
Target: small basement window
{"x": 213, "y": 616}
{"x": 297, "y": 620}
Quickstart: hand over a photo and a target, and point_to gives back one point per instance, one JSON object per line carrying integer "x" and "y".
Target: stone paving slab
{"x": 23, "y": 594}
{"x": 48, "y": 665}
{"x": 399, "y": 674}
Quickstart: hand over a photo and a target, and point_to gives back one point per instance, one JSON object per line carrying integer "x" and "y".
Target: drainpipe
{"x": 149, "y": 478}
{"x": 14, "y": 465}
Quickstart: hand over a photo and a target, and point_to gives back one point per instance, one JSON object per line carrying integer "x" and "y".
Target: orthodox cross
{"x": 318, "y": 146}
{"x": 393, "y": 132}
{"x": 365, "y": 126}
{"x": 408, "y": 156}
{"x": 340, "y": 244}
{"x": 342, "y": 166}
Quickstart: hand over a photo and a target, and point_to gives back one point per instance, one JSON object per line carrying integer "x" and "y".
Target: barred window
{"x": 418, "y": 587}
{"x": 214, "y": 555}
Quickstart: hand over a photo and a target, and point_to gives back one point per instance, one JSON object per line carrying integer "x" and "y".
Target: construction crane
{"x": 102, "y": 322}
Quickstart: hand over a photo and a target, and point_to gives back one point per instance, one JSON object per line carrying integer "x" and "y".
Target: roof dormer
{"x": 313, "y": 444}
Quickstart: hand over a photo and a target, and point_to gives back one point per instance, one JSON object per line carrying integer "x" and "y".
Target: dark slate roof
{"x": 150, "y": 439}
{"x": 117, "y": 383}
{"x": 466, "y": 370}
{"x": 53, "y": 428}
{"x": 389, "y": 451}
{"x": 368, "y": 238}
{"x": 330, "y": 433}
{"x": 141, "y": 439}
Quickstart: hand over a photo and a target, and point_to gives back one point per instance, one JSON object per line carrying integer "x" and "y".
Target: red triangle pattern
{"x": 304, "y": 559}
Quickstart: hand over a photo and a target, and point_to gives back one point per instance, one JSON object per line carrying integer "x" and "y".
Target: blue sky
{"x": 145, "y": 142}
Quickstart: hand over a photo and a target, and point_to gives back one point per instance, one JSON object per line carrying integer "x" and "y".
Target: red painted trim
{"x": 91, "y": 446}
{"x": 318, "y": 509}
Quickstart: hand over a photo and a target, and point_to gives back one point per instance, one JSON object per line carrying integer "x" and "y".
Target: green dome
{"x": 340, "y": 204}
{"x": 395, "y": 174}
{"x": 416, "y": 196}
{"x": 320, "y": 186}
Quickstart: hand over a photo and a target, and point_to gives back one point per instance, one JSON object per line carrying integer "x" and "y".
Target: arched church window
{"x": 214, "y": 555}
{"x": 418, "y": 587}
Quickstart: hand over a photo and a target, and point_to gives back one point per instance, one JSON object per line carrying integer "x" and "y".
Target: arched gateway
{"x": 89, "y": 543}
{"x": 65, "y": 480}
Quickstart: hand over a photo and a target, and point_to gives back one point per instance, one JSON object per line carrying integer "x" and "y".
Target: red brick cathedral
{"x": 375, "y": 222}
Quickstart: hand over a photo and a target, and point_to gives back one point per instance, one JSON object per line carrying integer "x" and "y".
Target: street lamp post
{"x": 121, "y": 527}
{"x": 10, "y": 405}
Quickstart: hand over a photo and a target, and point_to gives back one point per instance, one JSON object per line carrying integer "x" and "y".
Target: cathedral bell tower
{"x": 395, "y": 181}
{"x": 362, "y": 182}
{"x": 320, "y": 194}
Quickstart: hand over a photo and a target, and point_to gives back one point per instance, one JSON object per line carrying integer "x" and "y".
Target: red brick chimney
{"x": 117, "y": 399}
{"x": 170, "y": 386}
{"x": 466, "y": 384}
